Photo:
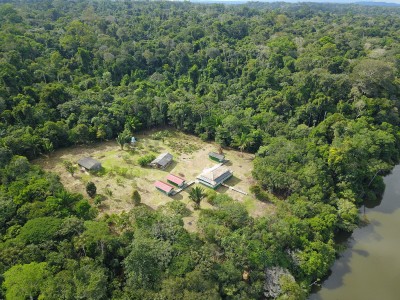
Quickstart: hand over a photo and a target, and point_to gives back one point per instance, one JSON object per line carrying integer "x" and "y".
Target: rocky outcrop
{"x": 272, "y": 286}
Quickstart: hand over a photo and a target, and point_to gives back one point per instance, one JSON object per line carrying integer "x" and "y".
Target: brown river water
{"x": 369, "y": 269}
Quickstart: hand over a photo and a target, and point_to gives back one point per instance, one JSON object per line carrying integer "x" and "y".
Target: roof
{"x": 163, "y": 159}
{"x": 216, "y": 174}
{"x": 175, "y": 179}
{"x": 89, "y": 163}
{"x": 163, "y": 186}
{"x": 217, "y": 156}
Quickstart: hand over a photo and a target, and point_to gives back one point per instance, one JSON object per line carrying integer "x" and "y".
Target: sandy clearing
{"x": 121, "y": 173}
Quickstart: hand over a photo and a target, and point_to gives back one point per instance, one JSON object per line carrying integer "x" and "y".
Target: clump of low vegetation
{"x": 70, "y": 167}
{"x": 108, "y": 191}
{"x": 99, "y": 199}
{"x": 161, "y": 135}
{"x": 91, "y": 189}
{"x": 144, "y": 160}
{"x": 259, "y": 193}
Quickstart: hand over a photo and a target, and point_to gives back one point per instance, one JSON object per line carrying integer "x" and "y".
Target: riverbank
{"x": 369, "y": 268}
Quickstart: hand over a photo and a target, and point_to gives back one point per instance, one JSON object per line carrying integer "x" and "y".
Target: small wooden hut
{"x": 176, "y": 180}
{"x": 162, "y": 161}
{"x": 164, "y": 187}
{"x": 216, "y": 157}
{"x": 89, "y": 163}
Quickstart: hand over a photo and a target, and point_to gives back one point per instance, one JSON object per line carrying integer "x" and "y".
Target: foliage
{"x": 70, "y": 167}
{"x": 123, "y": 138}
{"x": 146, "y": 159}
{"x": 317, "y": 104}
{"x": 91, "y": 189}
{"x": 23, "y": 281}
{"x": 196, "y": 194}
{"x": 39, "y": 230}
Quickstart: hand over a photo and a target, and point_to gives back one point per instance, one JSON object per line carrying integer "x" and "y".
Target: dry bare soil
{"x": 122, "y": 174}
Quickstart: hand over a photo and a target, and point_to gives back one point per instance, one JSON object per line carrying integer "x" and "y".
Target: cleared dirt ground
{"x": 122, "y": 174}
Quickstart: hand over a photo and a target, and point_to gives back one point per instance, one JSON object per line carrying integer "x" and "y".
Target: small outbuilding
{"x": 89, "y": 163}
{"x": 162, "y": 161}
{"x": 164, "y": 187}
{"x": 176, "y": 180}
{"x": 217, "y": 157}
{"x": 215, "y": 176}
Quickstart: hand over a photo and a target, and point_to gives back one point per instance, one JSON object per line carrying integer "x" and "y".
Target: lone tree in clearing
{"x": 136, "y": 199}
{"x": 196, "y": 194}
{"x": 69, "y": 166}
{"x": 91, "y": 189}
{"x": 123, "y": 138}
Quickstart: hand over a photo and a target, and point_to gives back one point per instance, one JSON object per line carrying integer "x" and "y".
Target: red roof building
{"x": 176, "y": 180}
{"x": 164, "y": 187}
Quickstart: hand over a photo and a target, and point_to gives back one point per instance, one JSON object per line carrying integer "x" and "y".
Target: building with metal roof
{"x": 217, "y": 157}
{"x": 164, "y": 187}
{"x": 176, "y": 180}
{"x": 162, "y": 161}
{"x": 215, "y": 176}
{"x": 89, "y": 163}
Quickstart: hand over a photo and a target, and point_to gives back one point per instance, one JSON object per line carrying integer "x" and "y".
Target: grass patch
{"x": 121, "y": 173}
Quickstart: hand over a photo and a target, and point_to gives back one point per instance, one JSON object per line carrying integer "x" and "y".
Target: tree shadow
{"x": 177, "y": 197}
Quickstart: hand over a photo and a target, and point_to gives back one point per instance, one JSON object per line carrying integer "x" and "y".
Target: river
{"x": 369, "y": 269}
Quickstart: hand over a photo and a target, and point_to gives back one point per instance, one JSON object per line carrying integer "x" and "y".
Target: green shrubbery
{"x": 146, "y": 159}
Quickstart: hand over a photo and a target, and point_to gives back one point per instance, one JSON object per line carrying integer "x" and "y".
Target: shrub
{"x": 259, "y": 193}
{"x": 98, "y": 199}
{"x": 146, "y": 159}
{"x": 91, "y": 189}
{"x": 108, "y": 192}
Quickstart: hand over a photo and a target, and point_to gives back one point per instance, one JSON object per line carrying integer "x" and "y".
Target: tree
{"x": 348, "y": 215}
{"x": 242, "y": 141}
{"x": 25, "y": 281}
{"x": 94, "y": 240}
{"x": 374, "y": 77}
{"x": 123, "y": 138}
{"x": 136, "y": 199}
{"x": 196, "y": 194}
{"x": 146, "y": 261}
{"x": 40, "y": 230}
{"x": 69, "y": 166}
{"x": 91, "y": 189}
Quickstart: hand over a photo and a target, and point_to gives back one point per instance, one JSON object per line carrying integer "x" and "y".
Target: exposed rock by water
{"x": 272, "y": 285}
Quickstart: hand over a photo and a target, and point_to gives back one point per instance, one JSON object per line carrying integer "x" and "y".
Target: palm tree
{"x": 196, "y": 194}
{"x": 123, "y": 138}
{"x": 243, "y": 141}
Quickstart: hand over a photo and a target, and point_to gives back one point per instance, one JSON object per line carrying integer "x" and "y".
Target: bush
{"x": 108, "y": 192}
{"x": 146, "y": 159}
{"x": 259, "y": 193}
{"x": 98, "y": 199}
{"x": 91, "y": 189}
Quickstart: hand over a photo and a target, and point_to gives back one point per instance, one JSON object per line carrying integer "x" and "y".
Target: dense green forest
{"x": 312, "y": 89}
